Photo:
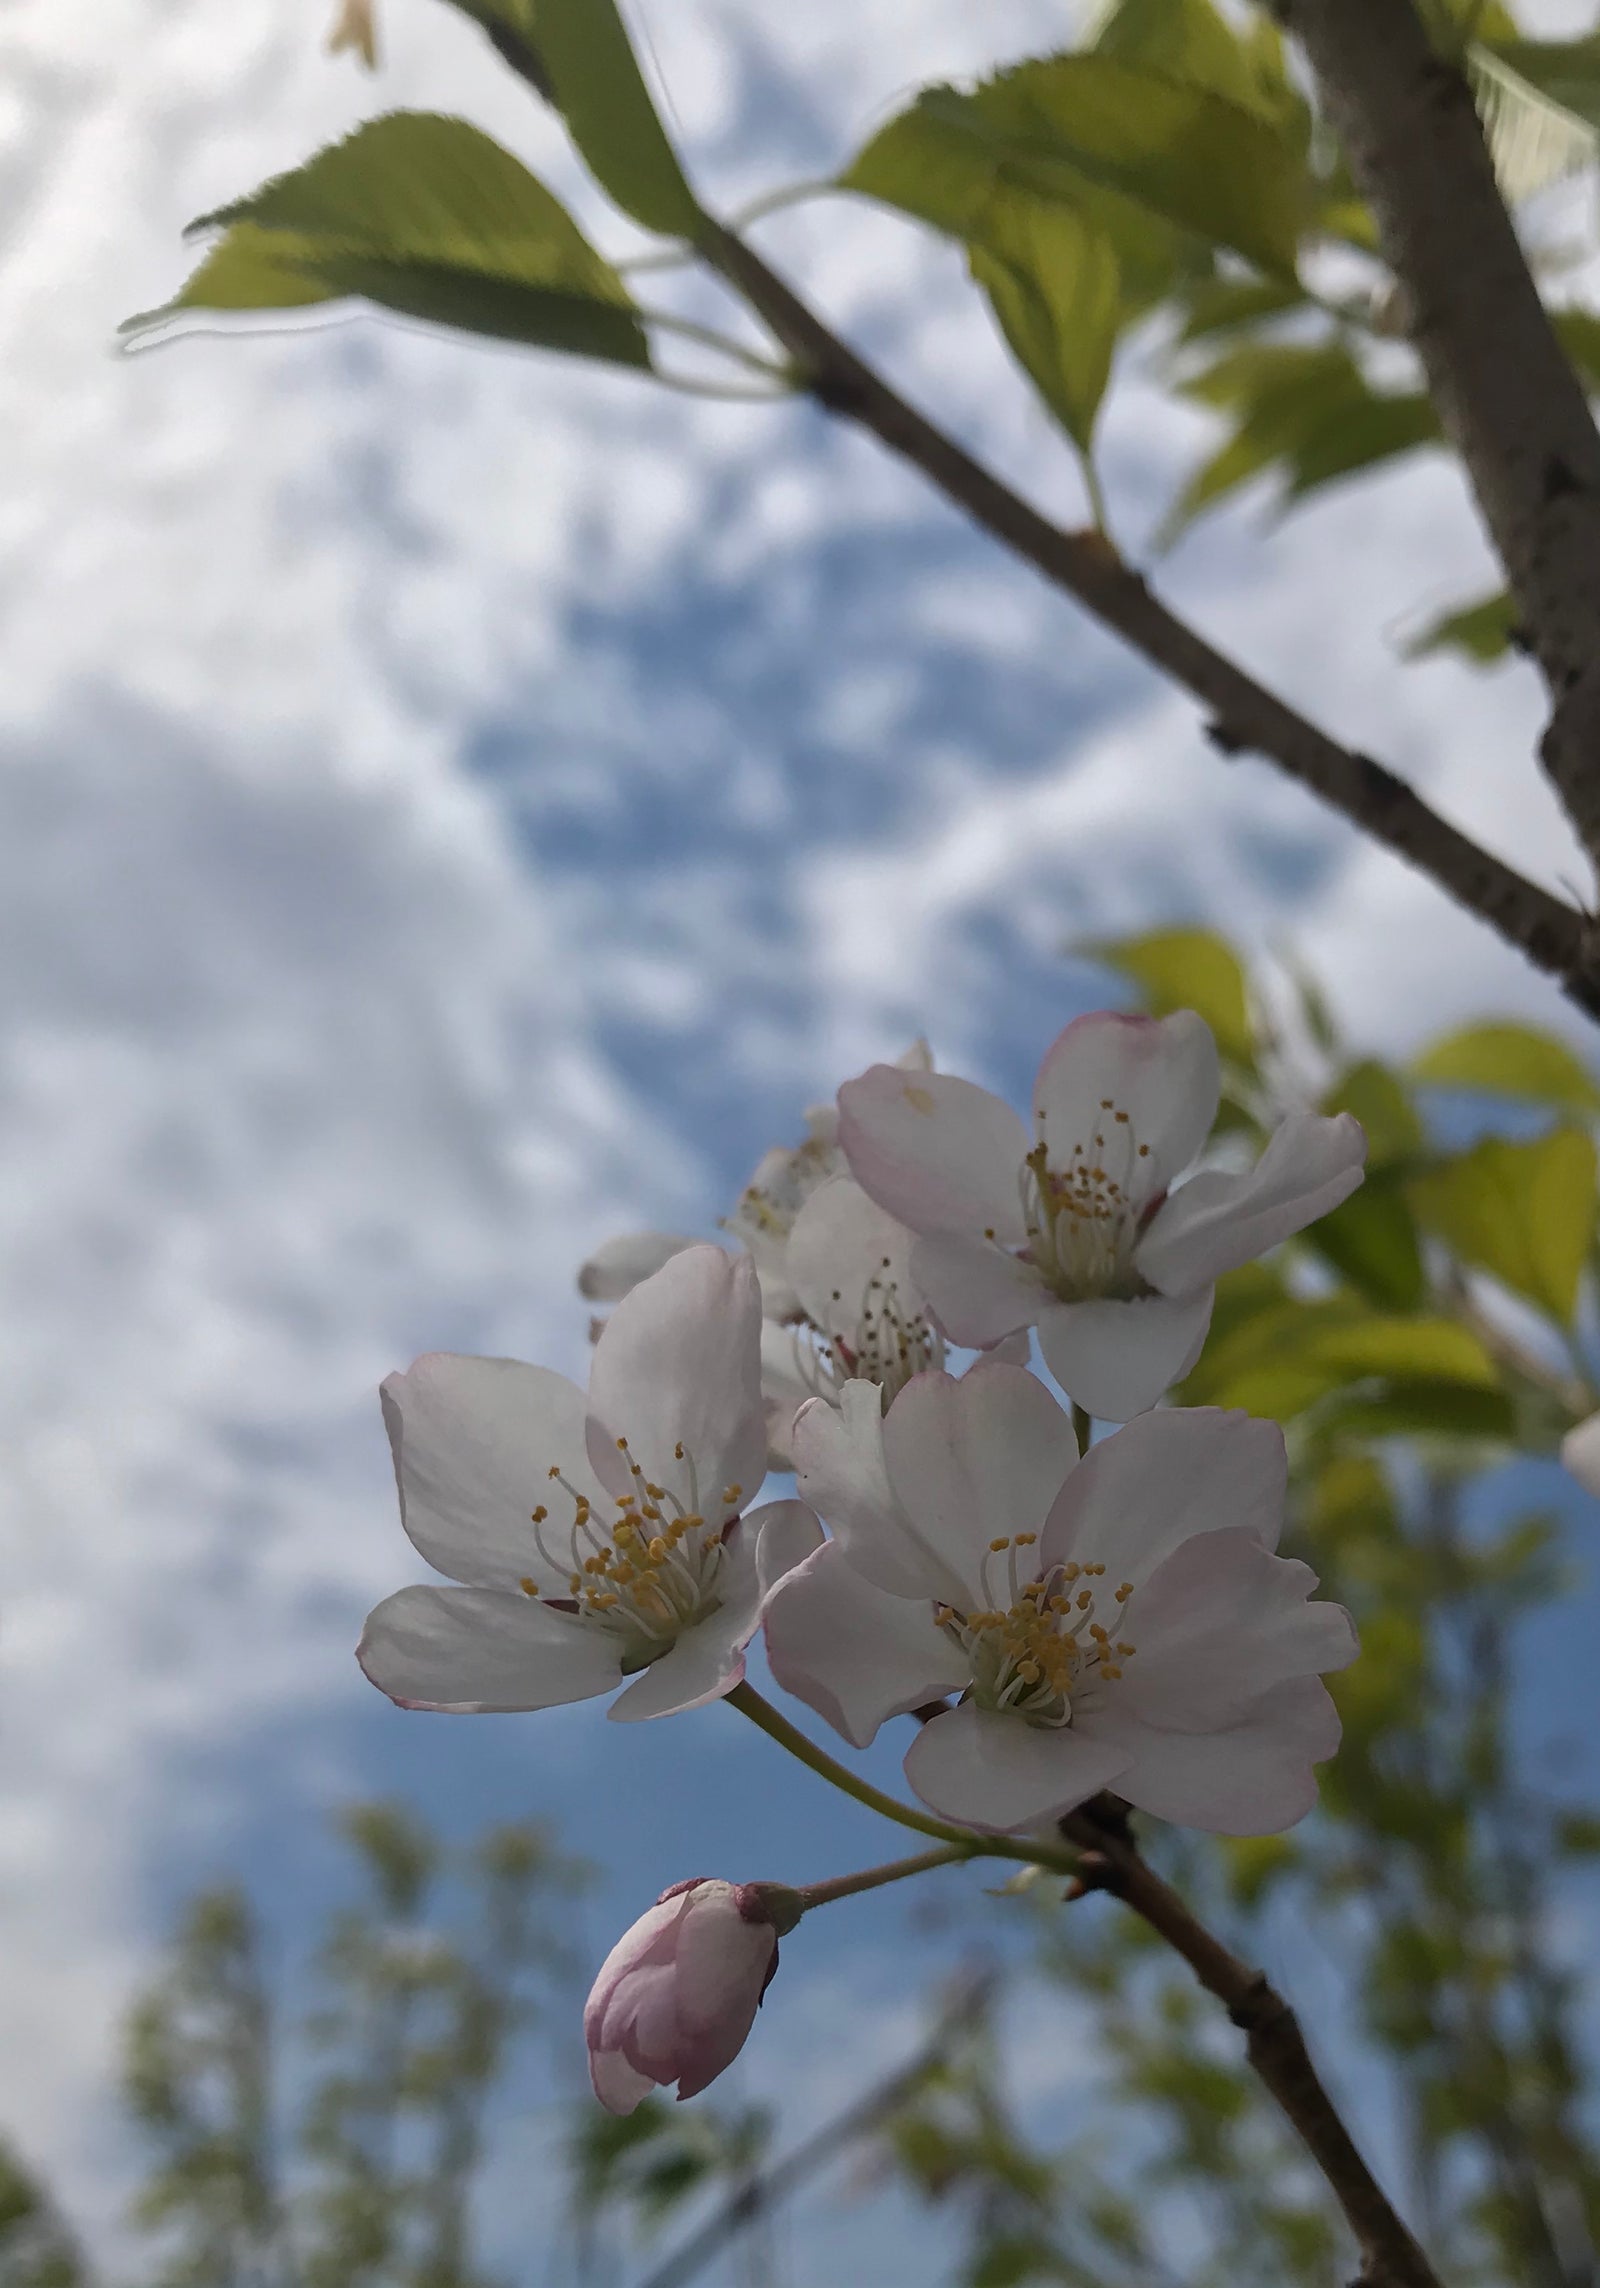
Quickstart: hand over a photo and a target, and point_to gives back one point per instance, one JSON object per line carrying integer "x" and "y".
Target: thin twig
{"x": 1244, "y": 714}
{"x": 1275, "y": 2045}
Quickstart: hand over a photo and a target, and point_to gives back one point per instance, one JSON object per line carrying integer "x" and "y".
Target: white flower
{"x": 1580, "y": 1453}
{"x": 678, "y": 1993}
{"x": 1078, "y": 1232}
{"x": 1119, "y": 1622}
{"x": 599, "y": 1537}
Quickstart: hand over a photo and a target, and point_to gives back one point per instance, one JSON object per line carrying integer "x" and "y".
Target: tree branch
{"x": 1506, "y": 393}
{"x": 1244, "y": 714}
{"x": 1275, "y": 2045}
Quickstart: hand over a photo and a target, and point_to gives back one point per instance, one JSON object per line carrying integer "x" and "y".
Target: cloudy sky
{"x": 456, "y": 805}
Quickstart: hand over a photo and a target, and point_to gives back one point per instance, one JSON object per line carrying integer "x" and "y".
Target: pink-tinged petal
{"x": 938, "y": 1153}
{"x": 617, "y": 1265}
{"x": 677, "y": 1995}
{"x": 972, "y": 1460}
{"x": 1012, "y": 1350}
{"x": 679, "y": 1363}
{"x": 474, "y": 1440}
{"x": 1163, "y": 1479}
{"x": 847, "y": 1258}
{"x": 976, "y": 1290}
{"x": 999, "y": 1773}
{"x": 1160, "y": 1072}
{"x": 840, "y": 1470}
{"x": 1580, "y": 1454}
{"x": 1253, "y": 1778}
{"x": 1116, "y": 1359}
{"x": 707, "y": 1660}
{"x": 854, "y": 1654}
{"x": 620, "y": 2088}
{"x": 1218, "y": 1623}
{"x": 1216, "y": 1221}
{"x": 785, "y": 1534}
{"x": 474, "y": 1652}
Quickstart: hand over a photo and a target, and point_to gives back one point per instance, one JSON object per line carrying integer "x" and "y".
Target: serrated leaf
{"x": 1185, "y": 40}
{"x": 427, "y": 216}
{"x": 607, "y": 106}
{"x": 1480, "y": 631}
{"x": 1053, "y": 282}
{"x": 1304, "y": 412}
{"x": 1186, "y": 969}
{"x": 1524, "y": 1212}
{"x": 1082, "y": 129}
{"x": 1510, "y": 1060}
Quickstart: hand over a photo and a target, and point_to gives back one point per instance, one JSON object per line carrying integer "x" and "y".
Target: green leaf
{"x": 1579, "y": 334}
{"x": 1522, "y": 1212}
{"x": 1421, "y": 1409}
{"x": 1564, "y": 72}
{"x": 427, "y": 216}
{"x": 1056, "y": 290}
{"x": 1510, "y": 1060}
{"x": 1071, "y": 126}
{"x": 1479, "y": 631}
{"x": 1185, "y": 40}
{"x": 1303, "y": 411}
{"x": 1371, "y": 1240}
{"x": 602, "y": 95}
{"x": 1378, "y": 1099}
{"x": 1286, "y": 1356}
{"x": 1535, "y": 132}
{"x": 1219, "y": 305}
{"x": 1186, "y": 969}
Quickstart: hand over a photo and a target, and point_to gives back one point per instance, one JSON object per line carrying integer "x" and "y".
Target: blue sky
{"x": 457, "y": 806}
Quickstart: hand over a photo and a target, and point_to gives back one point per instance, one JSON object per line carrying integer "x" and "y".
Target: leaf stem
{"x": 777, "y": 1727}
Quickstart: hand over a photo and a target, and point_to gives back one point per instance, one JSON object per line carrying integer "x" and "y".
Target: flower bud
{"x": 678, "y": 1993}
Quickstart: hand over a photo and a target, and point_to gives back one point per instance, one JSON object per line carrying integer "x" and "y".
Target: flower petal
{"x": 786, "y": 1386}
{"x": 846, "y": 1257}
{"x": 785, "y": 1533}
{"x": 978, "y": 1292}
{"x": 1117, "y": 1358}
{"x": 840, "y": 1470}
{"x": 474, "y": 1440}
{"x": 854, "y": 1654}
{"x": 679, "y": 1363}
{"x": 999, "y": 1773}
{"x": 1160, "y": 1480}
{"x": 938, "y": 1153}
{"x": 1161, "y": 1072}
{"x": 1580, "y": 1453}
{"x": 708, "y": 1659}
{"x": 621, "y": 2088}
{"x": 972, "y": 1460}
{"x": 617, "y": 1265}
{"x": 1220, "y": 1621}
{"x": 1253, "y": 1778}
{"x": 1217, "y": 1221}
{"x": 483, "y": 1651}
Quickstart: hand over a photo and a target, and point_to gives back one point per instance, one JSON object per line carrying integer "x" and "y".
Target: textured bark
{"x": 1505, "y": 391}
{"x": 1244, "y": 714}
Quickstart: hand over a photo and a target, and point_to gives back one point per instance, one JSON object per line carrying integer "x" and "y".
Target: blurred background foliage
{"x": 1413, "y": 1346}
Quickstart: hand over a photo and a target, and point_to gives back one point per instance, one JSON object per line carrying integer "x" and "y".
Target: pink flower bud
{"x": 678, "y": 1993}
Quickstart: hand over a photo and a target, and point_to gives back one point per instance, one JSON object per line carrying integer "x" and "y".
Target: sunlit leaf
{"x": 1523, "y": 1212}
{"x": 1284, "y": 1357}
{"x": 1510, "y": 1060}
{"x": 1186, "y": 969}
{"x": 1480, "y": 631}
{"x": 427, "y": 216}
{"x": 603, "y": 98}
{"x": 1053, "y": 280}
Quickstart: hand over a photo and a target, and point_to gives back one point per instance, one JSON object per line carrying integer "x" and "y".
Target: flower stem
{"x": 896, "y": 1871}
{"x": 761, "y": 1712}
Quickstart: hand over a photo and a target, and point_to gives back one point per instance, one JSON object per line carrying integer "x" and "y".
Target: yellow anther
{"x": 1097, "y": 1570}
{"x": 1029, "y": 1671}
{"x": 1070, "y": 1572}
{"x": 651, "y": 1512}
{"x": 554, "y": 1470}
{"x": 1124, "y": 1592}
{"x": 1125, "y": 1649}
{"x": 658, "y": 1547}
{"x": 677, "y": 1451}
{"x": 1144, "y": 1151}
{"x": 732, "y": 1493}
{"x": 1122, "y": 1116}
{"x": 540, "y": 1514}
{"x": 656, "y": 1493}
{"x": 692, "y": 1520}
{"x": 1026, "y": 1540}
{"x": 1106, "y": 1102}
{"x": 622, "y": 1445}
{"x": 575, "y": 1583}
{"x": 1002, "y": 1543}
{"x": 1108, "y": 1671}
{"x": 528, "y": 1588}
{"x": 1085, "y": 1600}
{"x": 1100, "y": 1635}
{"x": 1061, "y": 1604}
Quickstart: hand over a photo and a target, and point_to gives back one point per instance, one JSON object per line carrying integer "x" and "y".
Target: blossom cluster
{"x": 1061, "y": 1614}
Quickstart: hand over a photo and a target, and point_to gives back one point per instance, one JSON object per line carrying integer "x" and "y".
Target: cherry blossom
{"x": 678, "y": 1993}
{"x": 1120, "y": 1621}
{"x": 1080, "y": 1231}
{"x": 596, "y": 1537}
{"x": 1580, "y": 1453}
